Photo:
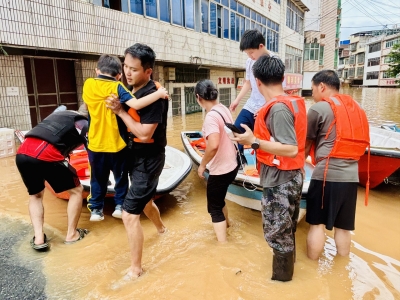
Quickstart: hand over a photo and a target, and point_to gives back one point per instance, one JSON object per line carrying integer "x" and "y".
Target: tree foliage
{"x": 394, "y": 66}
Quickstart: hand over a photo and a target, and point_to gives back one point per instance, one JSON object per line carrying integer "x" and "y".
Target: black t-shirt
{"x": 156, "y": 112}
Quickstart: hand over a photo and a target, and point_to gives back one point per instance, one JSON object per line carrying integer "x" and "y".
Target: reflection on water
{"x": 187, "y": 262}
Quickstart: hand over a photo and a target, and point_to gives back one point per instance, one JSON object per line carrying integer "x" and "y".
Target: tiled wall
{"x": 14, "y": 108}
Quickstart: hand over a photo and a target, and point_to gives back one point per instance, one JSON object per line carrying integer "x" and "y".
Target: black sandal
{"x": 41, "y": 247}
{"x": 82, "y": 234}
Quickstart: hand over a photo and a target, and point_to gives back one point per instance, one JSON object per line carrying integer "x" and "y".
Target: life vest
{"x": 352, "y": 133}
{"x": 59, "y": 130}
{"x": 133, "y": 113}
{"x": 297, "y": 107}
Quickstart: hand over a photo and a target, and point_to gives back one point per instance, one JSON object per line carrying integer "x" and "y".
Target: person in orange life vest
{"x": 42, "y": 156}
{"x": 279, "y": 140}
{"x": 107, "y": 134}
{"x": 147, "y": 151}
{"x": 332, "y": 195}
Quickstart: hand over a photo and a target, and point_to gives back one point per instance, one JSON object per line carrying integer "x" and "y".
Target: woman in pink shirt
{"x": 219, "y": 157}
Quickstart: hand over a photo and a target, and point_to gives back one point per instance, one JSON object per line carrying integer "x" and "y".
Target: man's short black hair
{"x": 144, "y": 53}
{"x": 251, "y": 39}
{"x": 269, "y": 70}
{"x": 329, "y": 77}
{"x": 110, "y": 65}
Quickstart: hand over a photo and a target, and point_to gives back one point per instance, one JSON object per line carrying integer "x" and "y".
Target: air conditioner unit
{"x": 169, "y": 73}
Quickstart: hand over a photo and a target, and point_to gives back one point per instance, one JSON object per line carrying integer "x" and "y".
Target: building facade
{"x": 49, "y": 48}
{"x": 321, "y": 39}
{"x": 377, "y": 61}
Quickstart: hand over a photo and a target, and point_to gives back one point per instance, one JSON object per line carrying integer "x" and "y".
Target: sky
{"x": 364, "y": 15}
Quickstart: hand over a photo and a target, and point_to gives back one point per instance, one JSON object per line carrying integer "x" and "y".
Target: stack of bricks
{"x": 7, "y": 142}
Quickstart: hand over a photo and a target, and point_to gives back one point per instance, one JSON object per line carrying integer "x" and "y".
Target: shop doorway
{"x": 50, "y": 82}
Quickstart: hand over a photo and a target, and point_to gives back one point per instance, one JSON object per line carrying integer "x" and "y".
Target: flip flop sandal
{"x": 82, "y": 234}
{"x": 41, "y": 247}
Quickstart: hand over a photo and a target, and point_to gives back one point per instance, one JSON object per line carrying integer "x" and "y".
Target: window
{"x": 373, "y": 75}
{"x": 339, "y": 72}
{"x": 353, "y": 47}
{"x": 387, "y": 60}
{"x": 278, "y": 1}
{"x": 225, "y": 96}
{"x": 341, "y": 61}
{"x": 352, "y": 59}
{"x": 360, "y": 71}
{"x": 191, "y": 75}
{"x": 293, "y": 58}
{"x": 121, "y": 5}
{"x": 177, "y": 11}
{"x": 374, "y": 47}
{"x": 151, "y": 8}
{"x": 176, "y": 102}
{"x": 189, "y": 13}
{"x": 393, "y": 42}
{"x": 294, "y": 17}
{"x": 360, "y": 58}
{"x": 373, "y": 61}
{"x": 137, "y": 7}
{"x": 351, "y": 72}
{"x": 321, "y": 55}
{"x": 164, "y": 11}
{"x": 311, "y": 51}
{"x": 386, "y": 75}
{"x": 213, "y": 18}
{"x": 226, "y": 23}
{"x": 233, "y": 25}
{"x": 204, "y": 15}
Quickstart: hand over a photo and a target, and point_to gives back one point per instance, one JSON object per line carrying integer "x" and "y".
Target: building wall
{"x": 327, "y": 27}
{"x": 14, "y": 108}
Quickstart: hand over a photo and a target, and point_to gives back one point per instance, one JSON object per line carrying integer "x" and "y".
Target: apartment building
{"x": 321, "y": 39}
{"x": 49, "y": 48}
{"x": 344, "y": 54}
{"x": 377, "y": 60}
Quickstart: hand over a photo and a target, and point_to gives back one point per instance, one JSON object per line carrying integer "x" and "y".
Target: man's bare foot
{"x": 133, "y": 275}
{"x": 164, "y": 230}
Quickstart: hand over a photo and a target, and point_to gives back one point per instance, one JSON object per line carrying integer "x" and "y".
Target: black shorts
{"x": 145, "y": 172}
{"x": 60, "y": 175}
{"x": 339, "y": 204}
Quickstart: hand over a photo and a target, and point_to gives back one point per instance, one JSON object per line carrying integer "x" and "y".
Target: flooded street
{"x": 187, "y": 262}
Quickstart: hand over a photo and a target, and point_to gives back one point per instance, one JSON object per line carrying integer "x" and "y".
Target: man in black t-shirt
{"x": 147, "y": 151}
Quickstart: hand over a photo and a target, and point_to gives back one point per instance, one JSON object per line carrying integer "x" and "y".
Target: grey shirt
{"x": 319, "y": 119}
{"x": 280, "y": 123}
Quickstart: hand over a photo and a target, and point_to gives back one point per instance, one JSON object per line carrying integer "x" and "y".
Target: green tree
{"x": 394, "y": 66}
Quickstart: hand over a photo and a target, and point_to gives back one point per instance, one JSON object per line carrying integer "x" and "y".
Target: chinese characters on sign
{"x": 226, "y": 80}
{"x": 292, "y": 81}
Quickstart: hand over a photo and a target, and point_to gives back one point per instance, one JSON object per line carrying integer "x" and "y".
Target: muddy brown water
{"x": 188, "y": 263}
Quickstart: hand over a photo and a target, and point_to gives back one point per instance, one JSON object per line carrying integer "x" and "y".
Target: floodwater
{"x": 188, "y": 263}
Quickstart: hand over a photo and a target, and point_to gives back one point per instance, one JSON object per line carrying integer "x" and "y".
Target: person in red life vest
{"x": 337, "y": 135}
{"x": 279, "y": 140}
{"x": 42, "y": 156}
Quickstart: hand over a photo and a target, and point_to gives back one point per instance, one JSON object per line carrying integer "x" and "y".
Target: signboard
{"x": 12, "y": 91}
{"x": 240, "y": 83}
{"x": 292, "y": 81}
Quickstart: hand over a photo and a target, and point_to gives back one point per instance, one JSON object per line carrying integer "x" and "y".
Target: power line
{"x": 370, "y": 26}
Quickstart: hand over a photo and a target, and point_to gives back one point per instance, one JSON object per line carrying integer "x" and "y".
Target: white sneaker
{"x": 96, "y": 215}
{"x": 117, "y": 212}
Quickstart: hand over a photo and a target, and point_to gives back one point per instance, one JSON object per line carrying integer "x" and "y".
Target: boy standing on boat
{"x": 337, "y": 135}
{"x": 42, "y": 156}
{"x": 279, "y": 139}
{"x": 253, "y": 44}
{"x": 148, "y": 139}
{"x": 107, "y": 134}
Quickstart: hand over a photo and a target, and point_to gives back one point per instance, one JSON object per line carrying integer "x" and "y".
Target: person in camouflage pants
{"x": 279, "y": 140}
{"x": 280, "y": 207}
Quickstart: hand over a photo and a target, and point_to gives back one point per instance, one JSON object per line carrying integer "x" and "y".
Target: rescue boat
{"x": 245, "y": 190}
{"x": 384, "y": 157}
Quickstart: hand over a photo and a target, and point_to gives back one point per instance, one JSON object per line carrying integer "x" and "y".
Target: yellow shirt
{"x": 106, "y": 130}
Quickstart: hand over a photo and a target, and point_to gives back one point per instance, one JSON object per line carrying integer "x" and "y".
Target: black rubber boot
{"x": 294, "y": 249}
{"x": 282, "y": 266}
